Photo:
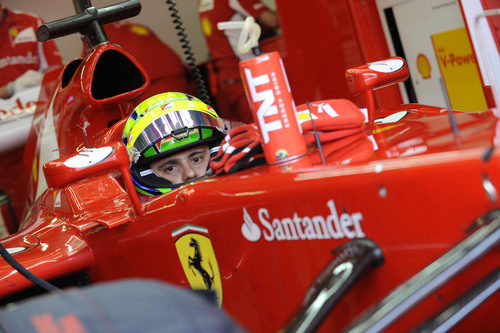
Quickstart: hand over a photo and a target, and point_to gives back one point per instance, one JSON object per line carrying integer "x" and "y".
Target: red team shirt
{"x": 20, "y": 50}
{"x": 230, "y": 96}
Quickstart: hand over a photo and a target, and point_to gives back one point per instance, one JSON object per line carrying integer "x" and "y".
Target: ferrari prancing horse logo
{"x": 197, "y": 258}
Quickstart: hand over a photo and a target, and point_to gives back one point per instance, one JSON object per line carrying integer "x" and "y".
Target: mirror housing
{"x": 92, "y": 162}
{"x": 363, "y": 80}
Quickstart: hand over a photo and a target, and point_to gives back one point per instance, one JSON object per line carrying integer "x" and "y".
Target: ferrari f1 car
{"x": 395, "y": 228}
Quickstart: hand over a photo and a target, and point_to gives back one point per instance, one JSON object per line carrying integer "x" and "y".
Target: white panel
{"x": 484, "y": 46}
{"x": 417, "y": 20}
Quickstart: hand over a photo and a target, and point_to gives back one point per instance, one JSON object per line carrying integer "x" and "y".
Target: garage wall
{"x": 154, "y": 14}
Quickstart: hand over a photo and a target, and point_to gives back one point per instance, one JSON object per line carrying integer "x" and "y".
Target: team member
{"x": 230, "y": 94}
{"x": 22, "y": 63}
{"x": 22, "y": 58}
{"x": 169, "y": 138}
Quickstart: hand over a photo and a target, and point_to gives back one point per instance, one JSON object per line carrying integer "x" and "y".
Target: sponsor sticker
{"x": 326, "y": 108}
{"x": 424, "y": 66}
{"x": 305, "y": 115}
{"x": 268, "y": 107}
{"x": 459, "y": 70}
{"x": 296, "y": 227}
{"x": 197, "y": 258}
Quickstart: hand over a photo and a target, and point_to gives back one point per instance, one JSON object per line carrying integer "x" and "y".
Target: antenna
{"x": 454, "y": 127}
{"x": 316, "y": 136}
{"x": 84, "y": 134}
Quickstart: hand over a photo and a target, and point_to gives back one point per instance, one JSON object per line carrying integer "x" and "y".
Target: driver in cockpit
{"x": 170, "y": 138}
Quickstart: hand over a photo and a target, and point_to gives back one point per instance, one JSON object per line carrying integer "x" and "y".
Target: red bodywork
{"x": 412, "y": 185}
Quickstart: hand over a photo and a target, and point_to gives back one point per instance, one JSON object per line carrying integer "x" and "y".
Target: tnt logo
{"x": 267, "y": 107}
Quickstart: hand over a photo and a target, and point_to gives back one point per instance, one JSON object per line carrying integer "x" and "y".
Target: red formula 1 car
{"x": 397, "y": 229}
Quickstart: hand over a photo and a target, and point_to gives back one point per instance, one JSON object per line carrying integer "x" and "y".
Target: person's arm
{"x": 49, "y": 58}
{"x": 29, "y": 79}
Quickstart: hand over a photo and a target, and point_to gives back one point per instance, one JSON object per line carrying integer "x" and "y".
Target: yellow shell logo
{"x": 206, "y": 26}
{"x": 424, "y": 66}
{"x": 197, "y": 258}
{"x": 137, "y": 29}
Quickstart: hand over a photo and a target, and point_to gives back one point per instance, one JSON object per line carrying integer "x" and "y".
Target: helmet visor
{"x": 176, "y": 129}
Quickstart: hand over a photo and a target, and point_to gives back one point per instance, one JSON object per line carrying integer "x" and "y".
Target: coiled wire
{"x": 201, "y": 87}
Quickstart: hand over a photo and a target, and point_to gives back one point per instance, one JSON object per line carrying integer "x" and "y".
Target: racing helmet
{"x": 164, "y": 125}
{"x": 149, "y": 104}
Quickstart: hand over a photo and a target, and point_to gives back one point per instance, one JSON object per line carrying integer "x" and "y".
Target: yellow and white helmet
{"x": 164, "y": 125}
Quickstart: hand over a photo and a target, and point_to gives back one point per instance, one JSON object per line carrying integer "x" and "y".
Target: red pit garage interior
{"x": 393, "y": 225}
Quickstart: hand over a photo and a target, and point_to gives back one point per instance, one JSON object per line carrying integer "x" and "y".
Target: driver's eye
{"x": 169, "y": 168}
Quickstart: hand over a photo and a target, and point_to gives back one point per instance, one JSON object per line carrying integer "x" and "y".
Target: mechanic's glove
{"x": 240, "y": 150}
{"x": 29, "y": 79}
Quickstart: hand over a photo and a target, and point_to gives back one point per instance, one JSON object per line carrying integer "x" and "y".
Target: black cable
{"x": 201, "y": 88}
{"x": 316, "y": 137}
{"x": 24, "y": 272}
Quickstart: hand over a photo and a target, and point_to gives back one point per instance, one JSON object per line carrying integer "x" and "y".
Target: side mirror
{"x": 363, "y": 80}
{"x": 92, "y": 162}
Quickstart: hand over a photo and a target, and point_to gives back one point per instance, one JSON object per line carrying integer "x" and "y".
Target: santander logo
{"x": 267, "y": 107}
{"x": 250, "y": 230}
{"x": 299, "y": 227}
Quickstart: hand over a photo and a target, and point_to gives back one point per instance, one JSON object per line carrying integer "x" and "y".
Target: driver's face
{"x": 183, "y": 166}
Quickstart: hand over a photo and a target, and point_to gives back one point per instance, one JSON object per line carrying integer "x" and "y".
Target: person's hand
{"x": 29, "y": 79}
